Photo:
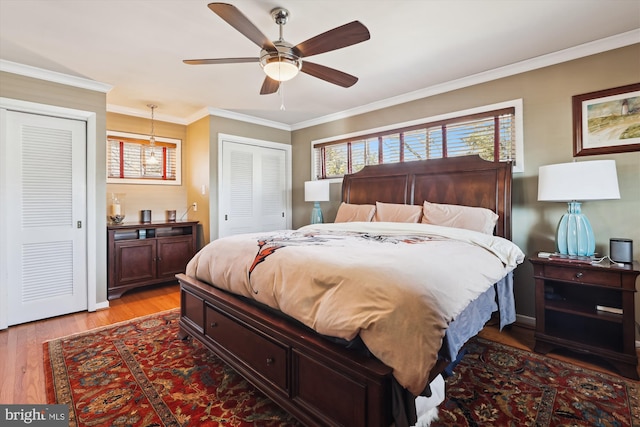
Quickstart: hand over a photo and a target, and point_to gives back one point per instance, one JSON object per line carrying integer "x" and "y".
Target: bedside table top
{"x": 581, "y": 262}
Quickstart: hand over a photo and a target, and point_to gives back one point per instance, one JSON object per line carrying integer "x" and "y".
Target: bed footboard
{"x": 318, "y": 382}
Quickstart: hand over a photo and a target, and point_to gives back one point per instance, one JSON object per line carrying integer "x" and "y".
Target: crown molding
{"x": 247, "y": 118}
{"x": 146, "y": 114}
{"x": 204, "y": 112}
{"x": 53, "y": 76}
{"x": 576, "y": 52}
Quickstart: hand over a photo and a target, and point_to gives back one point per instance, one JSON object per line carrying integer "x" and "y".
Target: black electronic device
{"x": 621, "y": 250}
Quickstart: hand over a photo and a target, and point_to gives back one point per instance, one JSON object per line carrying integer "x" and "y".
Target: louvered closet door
{"x": 46, "y": 160}
{"x": 253, "y": 189}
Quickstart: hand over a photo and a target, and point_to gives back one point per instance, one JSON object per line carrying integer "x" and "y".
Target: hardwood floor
{"x": 21, "y": 356}
{"x": 523, "y": 338}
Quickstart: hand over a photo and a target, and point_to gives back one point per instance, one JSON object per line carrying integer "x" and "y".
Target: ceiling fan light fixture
{"x": 280, "y": 67}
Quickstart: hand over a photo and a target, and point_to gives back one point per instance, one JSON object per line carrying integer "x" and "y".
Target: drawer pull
{"x": 213, "y": 324}
{"x": 270, "y": 361}
{"x": 579, "y": 275}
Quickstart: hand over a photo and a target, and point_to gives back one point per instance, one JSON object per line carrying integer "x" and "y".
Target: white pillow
{"x": 467, "y": 217}
{"x": 349, "y": 212}
{"x": 396, "y": 212}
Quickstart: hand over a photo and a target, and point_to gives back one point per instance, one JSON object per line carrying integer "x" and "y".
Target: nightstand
{"x": 587, "y": 308}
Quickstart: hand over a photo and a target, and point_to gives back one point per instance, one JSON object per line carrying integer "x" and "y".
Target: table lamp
{"x": 570, "y": 182}
{"x": 316, "y": 191}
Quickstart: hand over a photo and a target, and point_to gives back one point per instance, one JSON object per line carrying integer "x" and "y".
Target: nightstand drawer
{"x": 583, "y": 275}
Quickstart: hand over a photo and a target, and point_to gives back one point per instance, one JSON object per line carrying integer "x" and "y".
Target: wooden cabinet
{"x": 146, "y": 254}
{"x": 587, "y": 308}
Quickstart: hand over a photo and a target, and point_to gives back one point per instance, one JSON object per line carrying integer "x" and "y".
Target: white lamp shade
{"x": 592, "y": 180}
{"x": 316, "y": 191}
{"x": 281, "y": 70}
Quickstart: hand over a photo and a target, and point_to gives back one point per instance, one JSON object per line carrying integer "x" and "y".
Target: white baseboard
{"x": 102, "y": 305}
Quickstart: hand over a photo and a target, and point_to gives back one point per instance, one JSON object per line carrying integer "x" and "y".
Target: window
{"x": 493, "y": 132}
{"x": 131, "y": 159}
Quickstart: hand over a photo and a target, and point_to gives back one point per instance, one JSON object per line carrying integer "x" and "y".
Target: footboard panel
{"x": 318, "y": 382}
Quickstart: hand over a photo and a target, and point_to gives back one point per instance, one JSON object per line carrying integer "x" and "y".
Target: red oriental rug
{"x": 138, "y": 373}
{"x": 498, "y": 385}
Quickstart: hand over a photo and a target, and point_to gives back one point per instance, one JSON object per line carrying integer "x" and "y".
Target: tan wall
{"x": 546, "y": 95}
{"x": 197, "y": 173}
{"x": 157, "y": 198}
{"x": 39, "y": 91}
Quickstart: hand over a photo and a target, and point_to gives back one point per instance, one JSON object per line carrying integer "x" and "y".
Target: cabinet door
{"x": 135, "y": 261}
{"x": 173, "y": 255}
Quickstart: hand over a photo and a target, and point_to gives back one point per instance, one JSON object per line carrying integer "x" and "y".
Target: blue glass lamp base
{"x": 316, "y": 214}
{"x": 575, "y": 235}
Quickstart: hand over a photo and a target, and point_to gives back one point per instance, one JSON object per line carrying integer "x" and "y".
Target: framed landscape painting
{"x": 607, "y": 121}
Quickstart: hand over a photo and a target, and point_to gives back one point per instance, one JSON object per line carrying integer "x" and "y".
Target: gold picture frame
{"x": 607, "y": 121}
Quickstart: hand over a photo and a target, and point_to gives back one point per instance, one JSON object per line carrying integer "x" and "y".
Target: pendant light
{"x": 152, "y": 159}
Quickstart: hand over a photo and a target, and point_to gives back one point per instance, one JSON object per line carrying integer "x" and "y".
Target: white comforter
{"x": 397, "y": 285}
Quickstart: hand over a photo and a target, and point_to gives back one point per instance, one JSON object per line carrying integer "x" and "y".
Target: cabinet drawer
{"x": 583, "y": 275}
{"x": 192, "y": 309}
{"x": 341, "y": 396}
{"x": 259, "y": 353}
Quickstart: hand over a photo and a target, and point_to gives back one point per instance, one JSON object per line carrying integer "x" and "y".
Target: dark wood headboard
{"x": 466, "y": 180}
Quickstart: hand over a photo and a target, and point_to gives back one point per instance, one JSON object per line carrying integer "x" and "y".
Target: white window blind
{"x": 490, "y": 134}
{"x": 130, "y": 158}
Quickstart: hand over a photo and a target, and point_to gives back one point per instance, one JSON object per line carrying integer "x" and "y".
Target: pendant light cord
{"x": 152, "y": 140}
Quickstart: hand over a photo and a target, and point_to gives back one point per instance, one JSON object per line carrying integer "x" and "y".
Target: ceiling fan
{"x": 281, "y": 60}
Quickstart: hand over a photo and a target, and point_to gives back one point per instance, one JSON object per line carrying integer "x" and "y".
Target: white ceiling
{"x": 416, "y": 46}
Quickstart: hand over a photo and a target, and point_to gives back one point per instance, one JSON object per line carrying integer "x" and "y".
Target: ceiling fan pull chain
{"x": 281, "y": 86}
{"x": 281, "y": 90}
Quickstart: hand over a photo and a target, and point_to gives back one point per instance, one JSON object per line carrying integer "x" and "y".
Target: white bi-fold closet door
{"x": 254, "y": 188}
{"x": 45, "y": 210}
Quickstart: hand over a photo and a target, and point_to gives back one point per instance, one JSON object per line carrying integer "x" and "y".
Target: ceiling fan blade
{"x": 328, "y": 74}
{"x": 346, "y": 35}
{"x": 219, "y": 61}
{"x": 269, "y": 86}
{"x": 237, "y": 20}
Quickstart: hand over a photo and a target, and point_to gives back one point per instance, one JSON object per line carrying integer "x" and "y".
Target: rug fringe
{"x": 103, "y": 327}
{"x": 48, "y": 374}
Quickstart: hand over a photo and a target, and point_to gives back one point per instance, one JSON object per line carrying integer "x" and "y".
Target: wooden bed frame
{"x": 317, "y": 381}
